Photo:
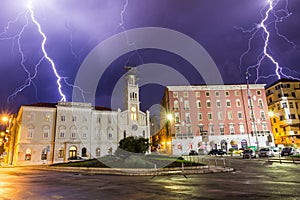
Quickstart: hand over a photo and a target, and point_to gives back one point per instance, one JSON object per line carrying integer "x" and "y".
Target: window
{"x": 220, "y": 115}
{"x": 221, "y": 129}
{"x": 229, "y": 114}
{"x": 262, "y": 115}
{"x": 176, "y": 105}
{"x": 197, "y": 94}
{"x": 201, "y": 128}
{"x": 218, "y": 104}
{"x": 73, "y": 118}
{"x": 291, "y": 104}
{"x": 186, "y": 105}
{"x": 217, "y": 93}
{"x": 264, "y": 127}
{"x": 274, "y": 120}
{"x": 46, "y": 133}
{"x": 28, "y": 154}
{"x": 240, "y": 115}
{"x": 260, "y": 103}
{"x": 144, "y": 134}
{"x": 185, "y": 94}
{"x": 30, "y": 132}
{"x": 62, "y": 118}
{"x": 187, "y": 118}
{"x": 281, "y": 117}
{"x": 284, "y": 105}
{"x": 84, "y": 135}
{"x": 188, "y": 129}
{"x": 199, "y": 116}
{"x": 209, "y": 116}
{"x": 175, "y": 94}
{"x": 208, "y": 104}
{"x": 242, "y": 129}
{"x": 98, "y": 120}
{"x": 211, "y": 129}
{"x": 207, "y": 93}
{"x": 227, "y": 93}
{"x": 258, "y": 92}
{"x": 109, "y": 133}
{"x": 231, "y": 129}
{"x": 73, "y": 135}
{"x": 83, "y": 152}
{"x": 31, "y": 117}
{"x": 236, "y": 93}
{"x": 238, "y": 103}
{"x": 198, "y": 104}
{"x": 47, "y": 117}
{"x": 228, "y": 104}
{"x": 61, "y": 153}
{"x": 98, "y": 152}
{"x": 177, "y": 129}
{"x": 293, "y": 94}
{"x": 177, "y": 118}
{"x": 292, "y": 116}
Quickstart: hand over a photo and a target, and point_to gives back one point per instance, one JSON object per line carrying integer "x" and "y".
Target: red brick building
{"x": 216, "y": 116}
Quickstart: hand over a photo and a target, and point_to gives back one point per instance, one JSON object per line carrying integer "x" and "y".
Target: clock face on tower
{"x": 133, "y": 109}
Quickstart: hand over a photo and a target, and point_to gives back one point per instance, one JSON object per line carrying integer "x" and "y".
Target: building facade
{"x": 283, "y": 99}
{"x": 53, "y": 133}
{"x": 216, "y": 116}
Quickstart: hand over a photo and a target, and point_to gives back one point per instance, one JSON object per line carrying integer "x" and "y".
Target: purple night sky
{"x": 74, "y": 28}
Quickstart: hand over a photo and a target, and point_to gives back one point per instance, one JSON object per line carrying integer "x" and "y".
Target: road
{"x": 252, "y": 179}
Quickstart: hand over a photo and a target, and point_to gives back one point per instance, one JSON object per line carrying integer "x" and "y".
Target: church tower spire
{"x": 132, "y": 103}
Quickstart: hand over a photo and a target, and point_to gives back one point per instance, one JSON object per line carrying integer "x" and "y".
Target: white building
{"x": 52, "y": 133}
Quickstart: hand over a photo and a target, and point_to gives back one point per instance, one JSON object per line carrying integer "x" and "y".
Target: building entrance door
{"x": 72, "y": 152}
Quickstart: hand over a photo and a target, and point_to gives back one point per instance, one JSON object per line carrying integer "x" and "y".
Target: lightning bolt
{"x": 121, "y": 24}
{"x": 29, "y": 15}
{"x": 269, "y": 16}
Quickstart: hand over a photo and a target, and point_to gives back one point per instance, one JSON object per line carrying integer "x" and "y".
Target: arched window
{"x": 28, "y": 154}
{"x": 83, "y": 152}
{"x": 62, "y": 131}
{"x": 98, "y": 152}
{"x": 61, "y": 153}
{"x": 110, "y": 133}
{"x": 72, "y": 152}
{"x": 46, "y": 132}
{"x": 30, "y": 131}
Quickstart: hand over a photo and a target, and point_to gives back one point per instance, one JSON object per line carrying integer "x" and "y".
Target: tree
{"x": 133, "y": 145}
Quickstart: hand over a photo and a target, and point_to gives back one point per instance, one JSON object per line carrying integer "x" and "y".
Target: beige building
{"x": 52, "y": 133}
{"x": 283, "y": 99}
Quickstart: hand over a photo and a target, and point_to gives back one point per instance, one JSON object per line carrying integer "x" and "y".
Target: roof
{"x": 283, "y": 80}
{"x": 42, "y": 104}
{"x": 102, "y": 108}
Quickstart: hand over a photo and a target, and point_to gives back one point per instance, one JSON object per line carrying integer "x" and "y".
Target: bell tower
{"x": 132, "y": 103}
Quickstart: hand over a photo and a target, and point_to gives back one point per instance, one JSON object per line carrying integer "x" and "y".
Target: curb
{"x": 138, "y": 171}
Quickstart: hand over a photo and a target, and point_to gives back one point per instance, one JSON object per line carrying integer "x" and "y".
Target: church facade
{"x": 52, "y": 133}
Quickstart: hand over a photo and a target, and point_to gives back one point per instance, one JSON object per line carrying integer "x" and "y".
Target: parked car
{"x": 276, "y": 151}
{"x": 193, "y": 153}
{"x": 287, "y": 151}
{"x": 217, "y": 152}
{"x": 249, "y": 153}
{"x": 266, "y": 152}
